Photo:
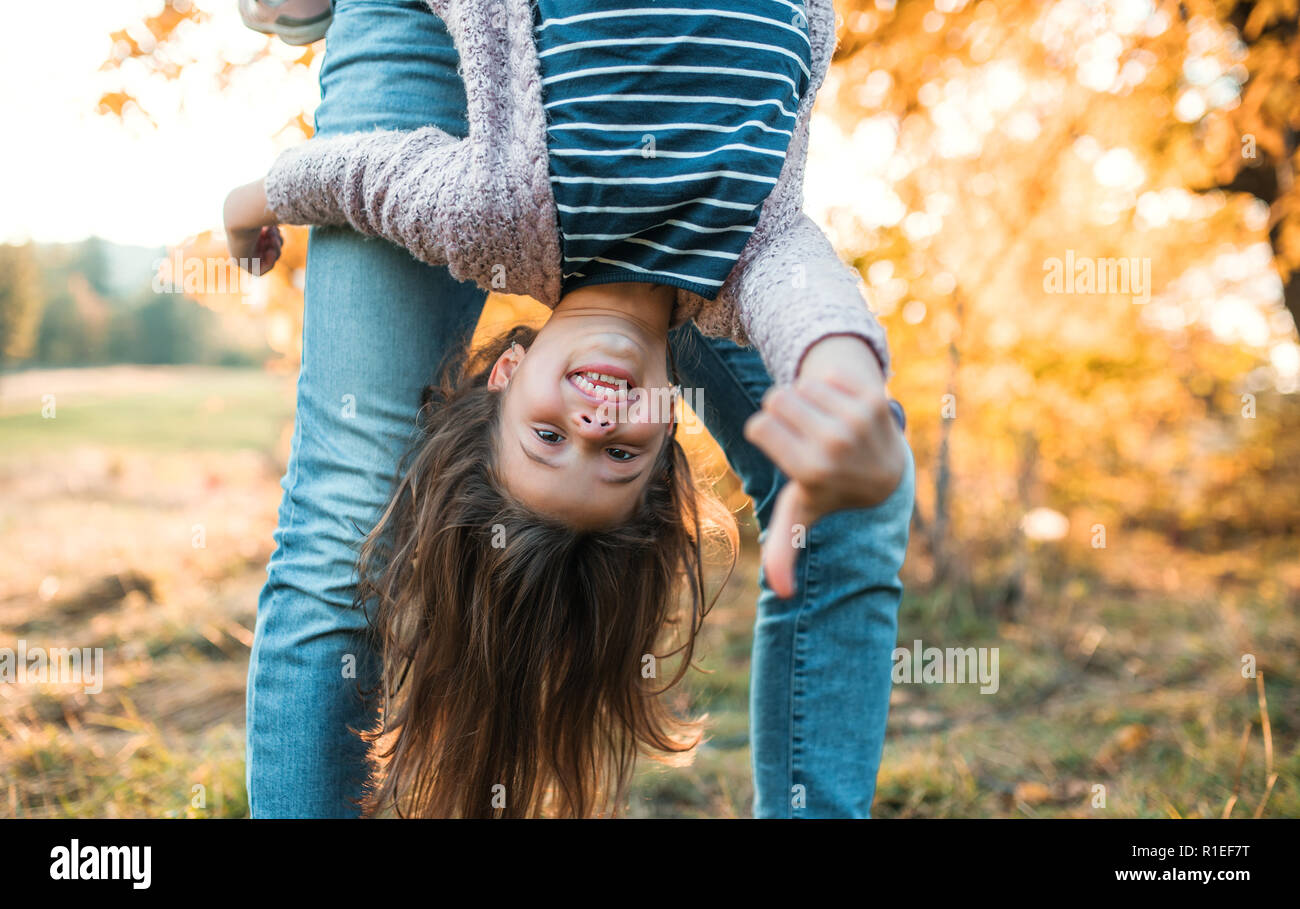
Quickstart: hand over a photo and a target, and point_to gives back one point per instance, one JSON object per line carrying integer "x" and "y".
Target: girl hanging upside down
{"x": 633, "y": 168}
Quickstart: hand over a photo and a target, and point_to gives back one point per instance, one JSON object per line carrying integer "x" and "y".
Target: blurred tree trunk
{"x": 940, "y": 528}
{"x": 1014, "y": 590}
{"x": 21, "y": 302}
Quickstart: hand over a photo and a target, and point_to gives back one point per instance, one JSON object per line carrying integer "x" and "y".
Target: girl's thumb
{"x": 787, "y": 535}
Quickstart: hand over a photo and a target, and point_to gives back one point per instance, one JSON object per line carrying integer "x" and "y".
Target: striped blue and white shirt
{"x": 668, "y": 124}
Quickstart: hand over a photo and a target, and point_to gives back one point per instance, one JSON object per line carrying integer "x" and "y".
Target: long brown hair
{"x": 520, "y": 655}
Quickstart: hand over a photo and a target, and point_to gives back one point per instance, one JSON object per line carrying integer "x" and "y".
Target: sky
{"x": 69, "y": 172}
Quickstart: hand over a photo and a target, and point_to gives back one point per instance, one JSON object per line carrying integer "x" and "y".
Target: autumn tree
{"x": 20, "y": 302}
{"x": 992, "y": 140}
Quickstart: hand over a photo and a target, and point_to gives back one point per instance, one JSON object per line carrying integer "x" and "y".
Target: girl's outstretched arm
{"x": 827, "y": 423}
{"x": 402, "y": 185}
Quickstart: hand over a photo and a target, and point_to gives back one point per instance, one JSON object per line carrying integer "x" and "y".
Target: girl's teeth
{"x": 601, "y": 377}
{"x": 584, "y": 381}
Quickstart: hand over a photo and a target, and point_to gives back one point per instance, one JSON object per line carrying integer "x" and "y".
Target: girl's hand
{"x": 251, "y": 232}
{"x": 834, "y": 437}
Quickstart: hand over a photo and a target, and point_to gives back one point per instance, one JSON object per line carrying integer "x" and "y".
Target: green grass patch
{"x": 216, "y": 410}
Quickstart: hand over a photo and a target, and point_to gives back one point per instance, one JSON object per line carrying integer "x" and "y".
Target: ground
{"x": 138, "y": 519}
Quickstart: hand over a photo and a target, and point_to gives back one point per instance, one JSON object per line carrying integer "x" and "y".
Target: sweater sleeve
{"x": 794, "y": 291}
{"x": 401, "y": 185}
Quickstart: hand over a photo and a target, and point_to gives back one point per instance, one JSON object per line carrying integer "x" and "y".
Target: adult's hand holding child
{"x": 833, "y": 435}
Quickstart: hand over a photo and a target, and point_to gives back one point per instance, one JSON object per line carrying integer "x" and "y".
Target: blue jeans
{"x": 375, "y": 326}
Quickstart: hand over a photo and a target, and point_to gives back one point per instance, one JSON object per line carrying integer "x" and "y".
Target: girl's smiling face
{"x": 578, "y": 439}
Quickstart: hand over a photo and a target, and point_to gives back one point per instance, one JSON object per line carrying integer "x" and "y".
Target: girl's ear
{"x": 505, "y": 367}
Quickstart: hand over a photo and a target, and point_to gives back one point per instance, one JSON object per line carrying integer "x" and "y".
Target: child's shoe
{"x": 294, "y": 21}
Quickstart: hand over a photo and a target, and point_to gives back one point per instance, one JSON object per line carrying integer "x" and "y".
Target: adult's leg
{"x": 375, "y": 326}
{"x": 820, "y": 670}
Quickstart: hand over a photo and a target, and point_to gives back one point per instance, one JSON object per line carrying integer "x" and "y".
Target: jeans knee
{"x": 326, "y": 512}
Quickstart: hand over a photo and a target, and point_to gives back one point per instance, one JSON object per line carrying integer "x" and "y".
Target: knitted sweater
{"x": 483, "y": 205}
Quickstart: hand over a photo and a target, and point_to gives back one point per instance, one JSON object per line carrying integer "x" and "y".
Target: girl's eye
{"x": 544, "y": 433}
{"x": 618, "y": 454}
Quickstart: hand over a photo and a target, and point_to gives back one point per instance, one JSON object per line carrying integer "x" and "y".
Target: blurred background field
{"x": 1128, "y": 682}
{"x": 1108, "y": 478}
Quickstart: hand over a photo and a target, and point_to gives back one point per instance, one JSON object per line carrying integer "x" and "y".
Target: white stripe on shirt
{"x": 710, "y": 70}
{"x": 676, "y": 39}
{"x": 651, "y": 127}
{"x": 652, "y": 271}
{"x": 661, "y": 153}
{"x": 681, "y": 99}
{"x": 632, "y": 209}
{"x": 675, "y": 178}
{"x": 698, "y": 228}
{"x": 668, "y": 249}
{"x": 724, "y": 13}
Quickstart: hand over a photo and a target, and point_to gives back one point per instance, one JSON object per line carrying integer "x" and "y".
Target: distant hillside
{"x": 92, "y": 303}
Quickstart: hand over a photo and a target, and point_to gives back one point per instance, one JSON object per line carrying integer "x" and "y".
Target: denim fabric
{"x": 820, "y": 667}
{"x": 375, "y": 326}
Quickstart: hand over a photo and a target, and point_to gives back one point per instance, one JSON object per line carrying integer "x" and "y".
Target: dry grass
{"x": 1127, "y": 681}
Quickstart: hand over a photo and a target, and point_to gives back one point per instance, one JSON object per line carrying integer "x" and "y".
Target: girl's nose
{"x": 593, "y": 425}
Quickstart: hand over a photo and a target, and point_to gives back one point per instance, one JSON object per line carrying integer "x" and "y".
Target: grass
{"x": 1114, "y": 699}
{"x": 1149, "y": 724}
{"x": 98, "y": 509}
{"x": 164, "y": 410}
